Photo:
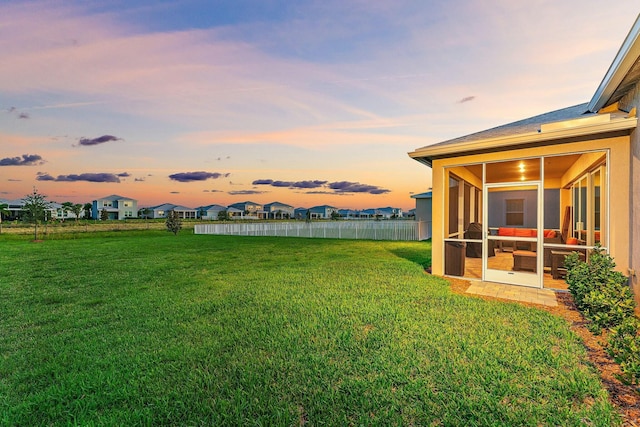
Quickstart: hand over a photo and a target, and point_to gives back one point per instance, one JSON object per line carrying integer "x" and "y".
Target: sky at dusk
{"x": 301, "y": 102}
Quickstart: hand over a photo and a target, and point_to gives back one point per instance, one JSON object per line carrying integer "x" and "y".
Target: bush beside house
{"x": 606, "y": 301}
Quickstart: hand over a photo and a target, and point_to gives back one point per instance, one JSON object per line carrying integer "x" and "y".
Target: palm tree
{"x": 87, "y": 210}
{"x": 4, "y": 210}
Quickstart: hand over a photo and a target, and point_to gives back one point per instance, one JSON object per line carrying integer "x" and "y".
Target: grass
{"x": 147, "y": 329}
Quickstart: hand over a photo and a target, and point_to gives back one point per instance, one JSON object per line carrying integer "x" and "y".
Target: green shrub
{"x": 578, "y": 278}
{"x": 624, "y": 347}
{"x": 606, "y": 301}
{"x": 609, "y": 304}
{"x": 600, "y": 293}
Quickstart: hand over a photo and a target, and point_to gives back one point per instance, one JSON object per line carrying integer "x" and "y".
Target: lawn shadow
{"x": 419, "y": 254}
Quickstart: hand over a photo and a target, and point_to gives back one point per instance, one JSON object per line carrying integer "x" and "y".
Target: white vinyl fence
{"x": 369, "y": 230}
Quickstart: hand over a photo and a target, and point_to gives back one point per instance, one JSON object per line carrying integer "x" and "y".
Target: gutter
{"x": 427, "y": 154}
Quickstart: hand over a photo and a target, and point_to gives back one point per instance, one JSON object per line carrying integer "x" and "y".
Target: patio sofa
{"x": 550, "y": 236}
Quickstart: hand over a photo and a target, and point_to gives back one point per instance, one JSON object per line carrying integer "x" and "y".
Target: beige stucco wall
{"x": 630, "y": 101}
{"x": 619, "y": 191}
{"x": 634, "y": 247}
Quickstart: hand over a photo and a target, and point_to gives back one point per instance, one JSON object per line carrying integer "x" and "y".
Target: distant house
{"x": 250, "y": 210}
{"x": 235, "y": 213}
{"x": 322, "y": 212}
{"x": 423, "y": 206}
{"x": 539, "y": 188}
{"x": 117, "y": 207}
{"x": 381, "y": 213}
{"x": 60, "y": 213}
{"x": 389, "y": 212}
{"x": 367, "y": 213}
{"x": 348, "y": 213}
{"x": 210, "y": 212}
{"x": 161, "y": 211}
{"x": 300, "y": 213}
{"x": 15, "y": 209}
{"x": 422, "y": 214}
{"x": 277, "y": 210}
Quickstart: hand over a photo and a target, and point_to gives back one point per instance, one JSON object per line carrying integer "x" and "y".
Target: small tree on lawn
{"x": 335, "y": 216}
{"x": 66, "y": 208}
{"x": 4, "y": 210}
{"x": 223, "y": 216}
{"x": 35, "y": 207}
{"x": 104, "y": 215}
{"x": 174, "y": 223}
{"x": 144, "y": 213}
{"x": 76, "y": 209}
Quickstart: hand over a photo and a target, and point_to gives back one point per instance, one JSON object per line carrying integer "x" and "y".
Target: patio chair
{"x": 474, "y": 249}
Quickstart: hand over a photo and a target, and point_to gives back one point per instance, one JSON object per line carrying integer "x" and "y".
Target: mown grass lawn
{"x": 148, "y": 328}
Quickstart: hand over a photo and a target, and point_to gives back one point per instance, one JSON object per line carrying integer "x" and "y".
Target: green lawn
{"x": 148, "y": 328}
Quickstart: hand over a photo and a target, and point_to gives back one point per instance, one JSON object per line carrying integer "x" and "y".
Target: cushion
{"x": 550, "y": 233}
{"x": 523, "y": 232}
{"x": 572, "y": 241}
{"x": 504, "y": 231}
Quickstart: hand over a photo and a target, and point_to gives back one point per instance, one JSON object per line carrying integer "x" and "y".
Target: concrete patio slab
{"x": 514, "y": 293}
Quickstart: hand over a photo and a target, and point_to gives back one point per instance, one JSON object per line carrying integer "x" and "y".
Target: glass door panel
{"x": 511, "y": 233}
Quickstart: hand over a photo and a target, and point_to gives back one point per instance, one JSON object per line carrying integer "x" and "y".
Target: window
{"x": 588, "y": 208}
{"x": 453, "y": 206}
{"x": 514, "y": 212}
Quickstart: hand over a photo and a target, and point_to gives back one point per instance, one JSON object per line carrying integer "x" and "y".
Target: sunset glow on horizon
{"x": 305, "y": 103}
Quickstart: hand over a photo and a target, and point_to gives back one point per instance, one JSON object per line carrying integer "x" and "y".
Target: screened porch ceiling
{"x": 512, "y": 171}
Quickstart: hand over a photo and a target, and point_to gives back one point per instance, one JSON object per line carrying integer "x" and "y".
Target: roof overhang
{"x": 623, "y": 62}
{"x": 546, "y": 134}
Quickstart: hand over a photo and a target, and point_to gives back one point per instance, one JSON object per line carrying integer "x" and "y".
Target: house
{"x": 389, "y": 212}
{"x": 348, "y": 214}
{"x": 250, "y": 210}
{"x": 210, "y": 212}
{"x": 510, "y": 202}
{"x": 235, "y": 213}
{"x": 15, "y": 209}
{"x": 367, "y": 213}
{"x": 381, "y": 213}
{"x": 300, "y": 213}
{"x": 161, "y": 211}
{"x": 422, "y": 211}
{"x": 277, "y": 210}
{"x": 422, "y": 214}
{"x": 322, "y": 212}
{"x": 117, "y": 207}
